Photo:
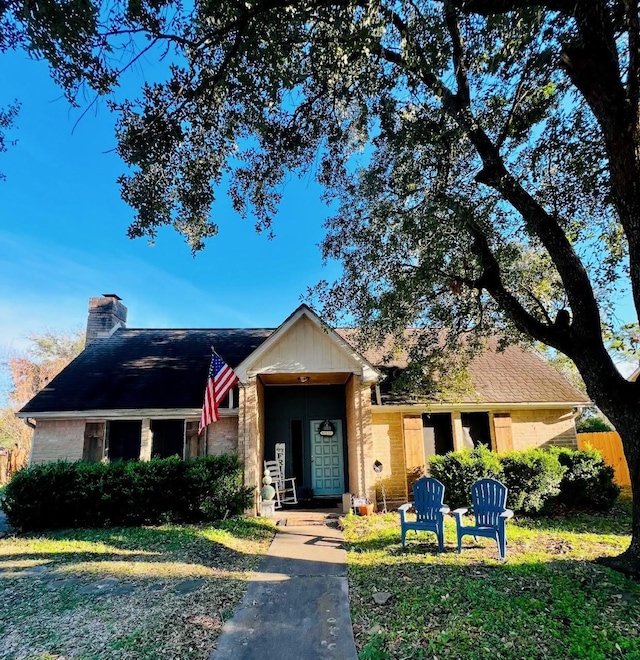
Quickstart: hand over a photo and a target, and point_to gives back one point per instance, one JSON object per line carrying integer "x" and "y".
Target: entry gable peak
{"x": 304, "y": 343}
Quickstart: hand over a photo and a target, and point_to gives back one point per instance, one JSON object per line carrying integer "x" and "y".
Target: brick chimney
{"x": 106, "y": 315}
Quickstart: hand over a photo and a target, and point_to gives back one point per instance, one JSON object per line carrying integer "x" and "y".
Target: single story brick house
{"x": 137, "y": 393}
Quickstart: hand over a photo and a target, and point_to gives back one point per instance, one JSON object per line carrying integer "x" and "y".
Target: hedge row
{"x": 70, "y": 495}
{"x": 536, "y": 478}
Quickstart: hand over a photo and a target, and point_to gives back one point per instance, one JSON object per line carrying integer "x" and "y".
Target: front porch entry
{"x": 293, "y": 415}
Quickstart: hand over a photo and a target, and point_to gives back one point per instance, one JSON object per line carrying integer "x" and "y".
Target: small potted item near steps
{"x": 363, "y": 506}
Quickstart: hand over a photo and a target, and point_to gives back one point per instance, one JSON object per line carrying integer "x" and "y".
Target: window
{"x": 168, "y": 438}
{"x": 123, "y": 440}
{"x": 475, "y": 427}
{"x": 231, "y": 398}
{"x": 437, "y": 433}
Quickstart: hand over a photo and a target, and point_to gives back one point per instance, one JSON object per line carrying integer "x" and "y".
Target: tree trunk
{"x": 626, "y": 419}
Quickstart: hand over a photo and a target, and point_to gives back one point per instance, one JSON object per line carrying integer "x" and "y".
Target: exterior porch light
{"x": 327, "y": 429}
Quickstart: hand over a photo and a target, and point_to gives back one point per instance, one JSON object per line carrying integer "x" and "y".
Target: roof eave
{"x": 126, "y": 413}
{"x": 480, "y": 406}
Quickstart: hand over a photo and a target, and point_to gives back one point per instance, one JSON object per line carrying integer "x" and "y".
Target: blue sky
{"x": 63, "y": 233}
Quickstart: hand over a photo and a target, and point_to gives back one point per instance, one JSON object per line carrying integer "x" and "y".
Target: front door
{"x": 327, "y": 461}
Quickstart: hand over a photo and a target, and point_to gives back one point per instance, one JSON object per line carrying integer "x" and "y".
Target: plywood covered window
{"x": 93, "y": 449}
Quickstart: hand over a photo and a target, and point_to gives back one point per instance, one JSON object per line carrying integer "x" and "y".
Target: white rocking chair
{"x": 285, "y": 487}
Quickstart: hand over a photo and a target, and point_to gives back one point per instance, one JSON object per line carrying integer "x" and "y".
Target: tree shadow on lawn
{"x": 196, "y": 545}
{"x": 617, "y": 521}
{"x": 378, "y": 534}
{"x": 143, "y": 593}
{"x": 548, "y": 599}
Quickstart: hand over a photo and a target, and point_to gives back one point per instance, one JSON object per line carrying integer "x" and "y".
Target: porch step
{"x": 306, "y": 518}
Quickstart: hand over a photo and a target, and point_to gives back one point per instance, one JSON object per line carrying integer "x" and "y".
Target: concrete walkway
{"x": 297, "y": 605}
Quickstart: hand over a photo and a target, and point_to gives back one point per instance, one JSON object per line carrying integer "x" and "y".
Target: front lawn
{"x": 145, "y": 592}
{"x": 548, "y": 600}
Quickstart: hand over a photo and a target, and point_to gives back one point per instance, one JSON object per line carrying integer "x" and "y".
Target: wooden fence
{"x": 609, "y": 445}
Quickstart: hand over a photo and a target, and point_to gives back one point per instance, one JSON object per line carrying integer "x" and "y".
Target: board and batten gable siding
{"x": 539, "y": 428}
{"x": 57, "y": 440}
{"x": 304, "y": 348}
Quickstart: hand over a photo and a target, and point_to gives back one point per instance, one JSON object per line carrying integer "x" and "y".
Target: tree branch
{"x": 518, "y": 97}
{"x": 539, "y": 305}
{"x": 633, "y": 76}
{"x": 495, "y": 174}
{"x": 490, "y": 7}
{"x": 491, "y": 280}
{"x": 457, "y": 45}
{"x": 538, "y": 221}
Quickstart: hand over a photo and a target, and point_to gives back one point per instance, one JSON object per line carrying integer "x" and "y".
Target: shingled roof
{"x": 512, "y": 376}
{"x": 136, "y": 369}
{"x": 156, "y": 369}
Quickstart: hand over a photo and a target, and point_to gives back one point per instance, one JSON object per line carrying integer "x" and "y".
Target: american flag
{"x": 220, "y": 380}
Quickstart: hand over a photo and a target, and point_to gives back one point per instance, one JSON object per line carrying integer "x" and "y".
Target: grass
{"x": 547, "y": 600}
{"x": 177, "y": 586}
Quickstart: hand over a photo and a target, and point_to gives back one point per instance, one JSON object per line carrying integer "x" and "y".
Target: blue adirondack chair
{"x": 488, "y": 498}
{"x": 428, "y": 497}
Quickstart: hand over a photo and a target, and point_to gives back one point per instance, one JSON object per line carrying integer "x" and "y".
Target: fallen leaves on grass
{"x": 153, "y": 618}
{"x": 548, "y": 600}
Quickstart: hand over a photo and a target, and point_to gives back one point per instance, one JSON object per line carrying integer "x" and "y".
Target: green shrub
{"x": 459, "y": 470}
{"x": 536, "y": 478}
{"x": 71, "y": 495}
{"x": 588, "y": 481}
{"x": 533, "y": 478}
{"x": 592, "y": 425}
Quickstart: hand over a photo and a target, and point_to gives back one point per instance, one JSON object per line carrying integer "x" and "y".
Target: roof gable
{"x": 305, "y": 344}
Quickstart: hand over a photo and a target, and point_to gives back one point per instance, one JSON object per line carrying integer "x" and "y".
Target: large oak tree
{"x": 483, "y": 156}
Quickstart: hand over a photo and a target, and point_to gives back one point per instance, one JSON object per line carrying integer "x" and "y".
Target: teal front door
{"x": 327, "y": 460}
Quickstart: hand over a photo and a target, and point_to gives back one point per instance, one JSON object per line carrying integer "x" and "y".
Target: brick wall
{"x": 222, "y": 436}
{"x": 388, "y": 448}
{"x": 55, "y": 440}
{"x": 537, "y": 428}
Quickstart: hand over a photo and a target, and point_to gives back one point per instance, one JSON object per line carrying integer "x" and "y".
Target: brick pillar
{"x": 146, "y": 440}
{"x": 362, "y": 478}
{"x": 249, "y": 437}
